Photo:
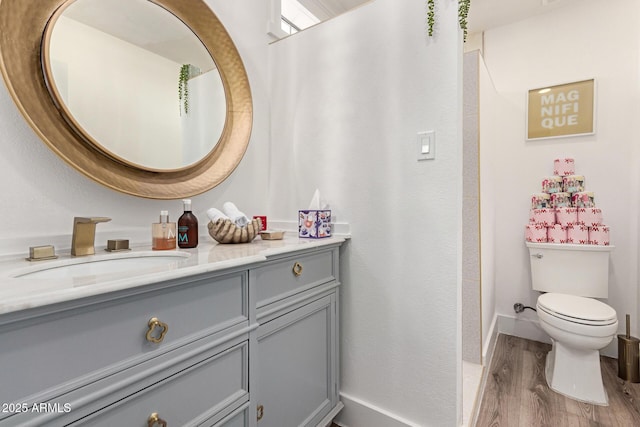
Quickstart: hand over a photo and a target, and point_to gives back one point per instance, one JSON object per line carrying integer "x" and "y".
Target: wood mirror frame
{"x": 22, "y": 25}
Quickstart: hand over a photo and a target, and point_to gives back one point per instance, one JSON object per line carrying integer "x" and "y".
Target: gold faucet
{"x": 84, "y": 233}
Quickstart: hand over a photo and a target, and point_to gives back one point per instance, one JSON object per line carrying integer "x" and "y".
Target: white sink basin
{"x": 104, "y": 264}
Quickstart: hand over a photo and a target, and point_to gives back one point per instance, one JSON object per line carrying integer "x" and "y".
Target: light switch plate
{"x": 426, "y": 145}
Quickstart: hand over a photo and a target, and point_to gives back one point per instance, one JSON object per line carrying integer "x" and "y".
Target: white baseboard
{"x": 530, "y": 329}
{"x": 328, "y": 420}
{"x": 490, "y": 342}
{"x": 357, "y": 413}
{"x": 522, "y": 327}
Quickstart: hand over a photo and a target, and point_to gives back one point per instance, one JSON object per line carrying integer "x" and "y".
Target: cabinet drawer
{"x": 193, "y": 396}
{"x": 283, "y": 278}
{"x": 54, "y": 353}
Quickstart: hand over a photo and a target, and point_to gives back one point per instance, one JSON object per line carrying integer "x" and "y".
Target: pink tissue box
{"x": 314, "y": 224}
{"x": 578, "y": 234}
{"x": 566, "y": 216}
{"x": 590, "y": 216}
{"x": 545, "y": 216}
{"x": 536, "y": 233}
{"x": 599, "y": 235}
{"x": 564, "y": 167}
{"x": 557, "y": 234}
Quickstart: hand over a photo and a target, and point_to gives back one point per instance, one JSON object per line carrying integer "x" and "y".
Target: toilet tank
{"x": 581, "y": 270}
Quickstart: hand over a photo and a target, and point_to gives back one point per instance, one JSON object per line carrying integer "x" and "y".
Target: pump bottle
{"x": 187, "y": 227}
{"x": 163, "y": 233}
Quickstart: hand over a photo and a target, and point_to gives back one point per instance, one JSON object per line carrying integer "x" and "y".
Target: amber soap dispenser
{"x": 163, "y": 233}
{"x": 187, "y": 227}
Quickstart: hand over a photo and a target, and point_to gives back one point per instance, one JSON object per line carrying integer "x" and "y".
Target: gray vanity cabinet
{"x": 215, "y": 349}
{"x": 297, "y": 354}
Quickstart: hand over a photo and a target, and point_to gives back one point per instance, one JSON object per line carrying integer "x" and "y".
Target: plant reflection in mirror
{"x": 183, "y": 88}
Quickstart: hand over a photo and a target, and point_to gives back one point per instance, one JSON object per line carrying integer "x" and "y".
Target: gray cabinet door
{"x": 296, "y": 367}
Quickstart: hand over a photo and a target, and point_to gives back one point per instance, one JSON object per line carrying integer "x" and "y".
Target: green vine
{"x": 431, "y": 16}
{"x": 463, "y": 13}
{"x": 183, "y": 88}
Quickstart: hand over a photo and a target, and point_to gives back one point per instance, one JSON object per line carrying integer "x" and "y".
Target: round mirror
{"x": 139, "y": 85}
{"x": 108, "y": 117}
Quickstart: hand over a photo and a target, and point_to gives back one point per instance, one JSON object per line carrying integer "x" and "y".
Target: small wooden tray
{"x": 271, "y": 235}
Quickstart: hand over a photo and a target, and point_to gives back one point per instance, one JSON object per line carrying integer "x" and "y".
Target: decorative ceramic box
{"x": 314, "y": 224}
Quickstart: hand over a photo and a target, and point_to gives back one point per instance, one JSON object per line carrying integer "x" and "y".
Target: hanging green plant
{"x": 463, "y": 12}
{"x": 431, "y": 15}
{"x": 183, "y": 88}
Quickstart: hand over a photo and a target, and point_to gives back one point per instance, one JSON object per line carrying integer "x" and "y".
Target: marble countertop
{"x": 20, "y": 293}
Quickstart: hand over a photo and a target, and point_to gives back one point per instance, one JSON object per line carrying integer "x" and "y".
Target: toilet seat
{"x": 575, "y": 309}
{"x": 576, "y": 315}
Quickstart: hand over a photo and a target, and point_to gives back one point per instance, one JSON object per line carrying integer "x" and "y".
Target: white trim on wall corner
{"x": 357, "y": 413}
{"x": 522, "y": 327}
{"x": 274, "y": 28}
{"x": 490, "y": 343}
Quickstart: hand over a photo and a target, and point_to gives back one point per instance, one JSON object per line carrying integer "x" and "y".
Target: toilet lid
{"x": 577, "y": 309}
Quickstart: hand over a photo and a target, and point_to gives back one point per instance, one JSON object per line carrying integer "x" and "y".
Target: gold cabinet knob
{"x": 260, "y": 412}
{"x": 297, "y": 269}
{"x": 152, "y": 335}
{"x": 155, "y": 420}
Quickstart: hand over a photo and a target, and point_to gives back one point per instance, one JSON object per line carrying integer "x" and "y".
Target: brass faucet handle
{"x": 91, "y": 219}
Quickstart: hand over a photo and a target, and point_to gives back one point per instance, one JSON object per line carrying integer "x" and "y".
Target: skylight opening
{"x": 296, "y": 17}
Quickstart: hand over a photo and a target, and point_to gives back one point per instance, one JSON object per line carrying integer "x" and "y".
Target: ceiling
{"x": 145, "y": 25}
{"x": 483, "y": 14}
{"x": 325, "y": 9}
{"x": 487, "y": 14}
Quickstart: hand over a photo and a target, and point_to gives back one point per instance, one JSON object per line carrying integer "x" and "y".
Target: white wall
{"x": 41, "y": 194}
{"x": 348, "y": 98}
{"x": 341, "y": 104}
{"x": 597, "y": 39}
{"x": 136, "y": 116}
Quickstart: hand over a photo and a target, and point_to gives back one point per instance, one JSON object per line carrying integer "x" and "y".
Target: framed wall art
{"x": 562, "y": 110}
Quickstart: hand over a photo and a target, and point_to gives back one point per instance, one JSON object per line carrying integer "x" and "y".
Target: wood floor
{"x": 516, "y": 393}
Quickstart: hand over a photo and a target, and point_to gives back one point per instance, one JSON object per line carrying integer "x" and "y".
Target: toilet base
{"x": 576, "y": 373}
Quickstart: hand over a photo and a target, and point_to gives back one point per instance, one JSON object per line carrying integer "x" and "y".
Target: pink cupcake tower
{"x": 564, "y": 212}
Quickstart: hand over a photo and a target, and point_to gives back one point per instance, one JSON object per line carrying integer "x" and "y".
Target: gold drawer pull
{"x": 154, "y": 420}
{"x": 153, "y": 323}
{"x": 260, "y": 412}
{"x": 297, "y": 269}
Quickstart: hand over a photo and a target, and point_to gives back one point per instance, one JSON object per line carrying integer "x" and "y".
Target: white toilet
{"x": 579, "y": 326}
